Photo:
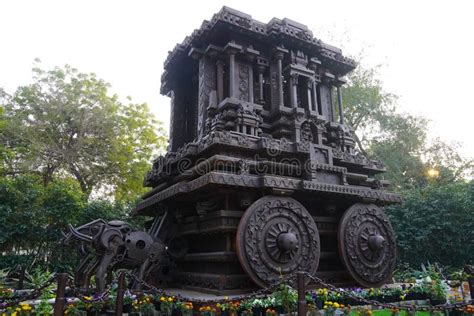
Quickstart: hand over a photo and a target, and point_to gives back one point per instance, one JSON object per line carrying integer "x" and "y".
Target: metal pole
{"x": 301, "y": 294}
{"x": 21, "y": 277}
{"x": 120, "y": 293}
{"x": 60, "y": 300}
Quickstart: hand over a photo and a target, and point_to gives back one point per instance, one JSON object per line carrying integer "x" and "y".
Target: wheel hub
{"x": 287, "y": 241}
{"x": 376, "y": 242}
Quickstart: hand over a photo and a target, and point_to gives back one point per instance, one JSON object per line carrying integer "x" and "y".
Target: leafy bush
{"x": 434, "y": 224}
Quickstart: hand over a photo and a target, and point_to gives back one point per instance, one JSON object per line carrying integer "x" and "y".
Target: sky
{"x": 426, "y": 47}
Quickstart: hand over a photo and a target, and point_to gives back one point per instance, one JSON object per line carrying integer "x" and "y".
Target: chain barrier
{"x": 94, "y": 298}
{"x": 255, "y": 294}
{"x": 33, "y": 294}
{"x": 258, "y": 293}
{"x": 408, "y": 307}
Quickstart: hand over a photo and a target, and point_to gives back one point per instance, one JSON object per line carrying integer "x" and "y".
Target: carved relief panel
{"x": 207, "y": 86}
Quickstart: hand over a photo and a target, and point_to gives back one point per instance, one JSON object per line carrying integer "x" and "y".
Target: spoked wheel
{"x": 367, "y": 244}
{"x": 277, "y": 236}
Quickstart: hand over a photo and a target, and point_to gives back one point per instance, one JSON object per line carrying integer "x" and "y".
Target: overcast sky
{"x": 426, "y": 46}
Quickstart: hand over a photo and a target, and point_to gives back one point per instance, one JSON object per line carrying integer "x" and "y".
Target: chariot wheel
{"x": 277, "y": 236}
{"x": 367, "y": 244}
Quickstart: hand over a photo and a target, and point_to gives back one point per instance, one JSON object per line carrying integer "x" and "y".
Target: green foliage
{"x": 398, "y": 139}
{"x": 434, "y": 224}
{"x": 32, "y": 217}
{"x": 44, "y": 307}
{"x": 38, "y": 278}
{"x": 380, "y": 131}
{"x": 67, "y": 124}
{"x": 286, "y": 297}
{"x": 62, "y": 138}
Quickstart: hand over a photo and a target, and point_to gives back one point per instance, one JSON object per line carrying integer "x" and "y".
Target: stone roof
{"x": 277, "y": 31}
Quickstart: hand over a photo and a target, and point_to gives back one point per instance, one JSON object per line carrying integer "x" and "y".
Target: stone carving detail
{"x": 244, "y": 82}
{"x": 207, "y": 82}
{"x": 306, "y": 132}
{"x": 277, "y": 236}
{"x": 367, "y": 244}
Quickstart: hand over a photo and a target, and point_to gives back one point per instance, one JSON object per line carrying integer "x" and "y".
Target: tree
{"x": 434, "y": 224}
{"x": 5, "y": 154}
{"x": 445, "y": 158}
{"x": 398, "y": 139}
{"x": 32, "y": 217}
{"x": 67, "y": 124}
{"x": 366, "y": 104}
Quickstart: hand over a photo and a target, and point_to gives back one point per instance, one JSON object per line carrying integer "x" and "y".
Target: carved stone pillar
{"x": 261, "y": 70}
{"x": 294, "y": 90}
{"x": 232, "y": 90}
{"x": 279, "y": 57}
{"x": 231, "y": 49}
{"x": 313, "y": 65}
{"x": 251, "y": 96}
{"x": 339, "y": 103}
{"x": 309, "y": 87}
{"x": 315, "y": 95}
{"x": 220, "y": 80}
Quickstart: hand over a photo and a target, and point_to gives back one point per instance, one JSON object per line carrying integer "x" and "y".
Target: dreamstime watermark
{"x": 270, "y": 164}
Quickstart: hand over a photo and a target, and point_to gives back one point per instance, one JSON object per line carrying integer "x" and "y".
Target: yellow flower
{"x": 162, "y": 299}
{"x": 336, "y": 305}
{"x": 25, "y": 307}
{"x": 14, "y": 313}
{"x": 170, "y": 299}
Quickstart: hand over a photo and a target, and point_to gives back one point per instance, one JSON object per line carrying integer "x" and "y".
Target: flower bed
{"x": 321, "y": 301}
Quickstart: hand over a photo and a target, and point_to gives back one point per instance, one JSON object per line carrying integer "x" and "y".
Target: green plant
{"x": 167, "y": 304}
{"x": 44, "y": 307}
{"x": 127, "y": 299}
{"x": 186, "y": 308}
{"x": 147, "y": 308}
{"x": 38, "y": 278}
{"x": 72, "y": 310}
{"x": 365, "y": 311}
{"x": 313, "y": 310}
{"x": 4, "y": 277}
{"x": 286, "y": 297}
{"x": 246, "y": 307}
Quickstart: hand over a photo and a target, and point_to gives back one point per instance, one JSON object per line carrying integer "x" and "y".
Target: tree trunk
{"x": 85, "y": 188}
{"x": 359, "y": 144}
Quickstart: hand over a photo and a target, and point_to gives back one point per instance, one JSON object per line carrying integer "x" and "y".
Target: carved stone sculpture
{"x": 262, "y": 177}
